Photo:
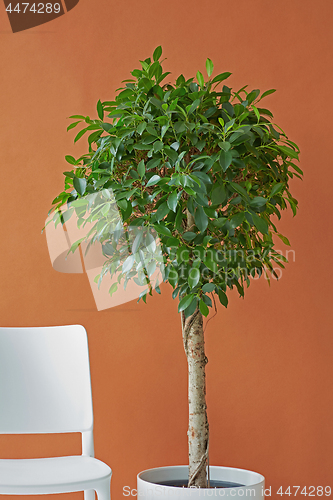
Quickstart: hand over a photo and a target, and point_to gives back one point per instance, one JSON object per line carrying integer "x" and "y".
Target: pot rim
{"x": 258, "y": 478}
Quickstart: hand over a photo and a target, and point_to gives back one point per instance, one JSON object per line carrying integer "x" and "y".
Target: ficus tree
{"x": 208, "y": 170}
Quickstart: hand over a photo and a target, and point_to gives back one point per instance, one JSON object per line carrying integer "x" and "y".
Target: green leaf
{"x": 256, "y": 112}
{"x": 289, "y": 152}
{"x": 211, "y": 265}
{"x": 80, "y": 185}
{"x": 223, "y": 298}
{"x": 185, "y": 302}
{"x": 236, "y": 220}
{"x": 72, "y": 125}
{"x": 189, "y": 236}
{"x": 162, "y": 211}
{"x": 194, "y": 106}
{"x": 180, "y": 127}
{"x": 260, "y": 223}
{"x": 76, "y": 244}
{"x": 171, "y": 153}
{"x": 148, "y": 139}
{"x": 264, "y": 111}
{"x": 157, "y": 53}
{"x": 220, "y": 221}
{"x": 158, "y": 145}
{"x": 221, "y": 76}
{"x": 200, "y": 79}
{"x": 239, "y": 189}
{"x": 103, "y": 165}
{"x": 156, "y": 102}
{"x": 274, "y": 132}
{"x": 227, "y": 127}
{"x": 180, "y": 80}
{"x": 164, "y": 130}
{"x": 141, "y": 168}
{"x": 193, "y": 277}
{"x": 225, "y": 144}
{"x": 127, "y": 211}
{"x": 200, "y": 145}
{"x": 141, "y": 127}
{"x": 94, "y": 136}
{"x": 100, "y": 110}
{"x": 113, "y": 288}
{"x": 201, "y": 219}
{"x": 218, "y": 195}
{"x": 225, "y": 159}
{"x": 122, "y": 204}
{"x": 172, "y": 242}
{"x": 191, "y": 308}
{"x": 284, "y": 239}
{"x": 209, "y": 67}
{"x": 208, "y": 287}
{"x": 125, "y": 94}
{"x": 201, "y": 175}
{"x": 204, "y": 309}
{"x": 162, "y": 230}
{"x": 267, "y": 93}
{"x": 276, "y": 188}
{"x": 183, "y": 254}
{"x": 128, "y": 264}
{"x": 207, "y": 300}
{"x": 189, "y": 191}
{"x": 164, "y": 75}
{"x": 153, "y": 180}
{"x": 155, "y": 70}
{"x": 210, "y": 112}
{"x": 70, "y": 159}
{"x": 80, "y": 134}
{"x": 179, "y": 219}
{"x": 153, "y": 163}
{"x": 211, "y": 212}
{"x": 137, "y": 242}
{"x": 258, "y": 201}
{"x": 252, "y": 96}
{"x": 172, "y": 276}
{"x": 172, "y": 201}
{"x": 69, "y": 174}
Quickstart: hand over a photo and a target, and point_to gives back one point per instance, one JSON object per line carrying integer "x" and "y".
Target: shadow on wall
{"x": 23, "y": 16}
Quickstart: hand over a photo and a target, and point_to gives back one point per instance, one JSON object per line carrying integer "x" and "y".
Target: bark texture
{"x": 198, "y": 430}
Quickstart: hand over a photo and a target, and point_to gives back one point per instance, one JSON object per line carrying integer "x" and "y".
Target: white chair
{"x": 45, "y": 388}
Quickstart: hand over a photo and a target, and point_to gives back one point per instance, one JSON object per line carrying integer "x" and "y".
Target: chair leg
{"x": 89, "y": 495}
{"x": 103, "y": 490}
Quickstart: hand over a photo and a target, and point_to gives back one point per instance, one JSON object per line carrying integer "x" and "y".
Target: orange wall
{"x": 270, "y": 371}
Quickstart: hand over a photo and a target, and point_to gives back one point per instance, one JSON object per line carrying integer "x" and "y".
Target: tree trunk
{"x": 198, "y": 432}
{"x": 198, "y": 424}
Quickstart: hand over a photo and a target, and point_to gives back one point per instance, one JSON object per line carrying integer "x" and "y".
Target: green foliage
{"x": 191, "y": 151}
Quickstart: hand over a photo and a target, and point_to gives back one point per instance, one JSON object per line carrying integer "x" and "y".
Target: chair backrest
{"x": 45, "y": 380}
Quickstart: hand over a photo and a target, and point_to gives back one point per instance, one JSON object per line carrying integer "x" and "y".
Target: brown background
{"x": 270, "y": 356}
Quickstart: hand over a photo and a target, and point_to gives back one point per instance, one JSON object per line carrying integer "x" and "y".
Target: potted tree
{"x": 204, "y": 167}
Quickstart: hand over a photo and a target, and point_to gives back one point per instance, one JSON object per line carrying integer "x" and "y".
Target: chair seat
{"x": 51, "y": 475}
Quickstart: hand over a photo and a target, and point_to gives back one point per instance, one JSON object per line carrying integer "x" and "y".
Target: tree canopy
{"x": 202, "y": 165}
